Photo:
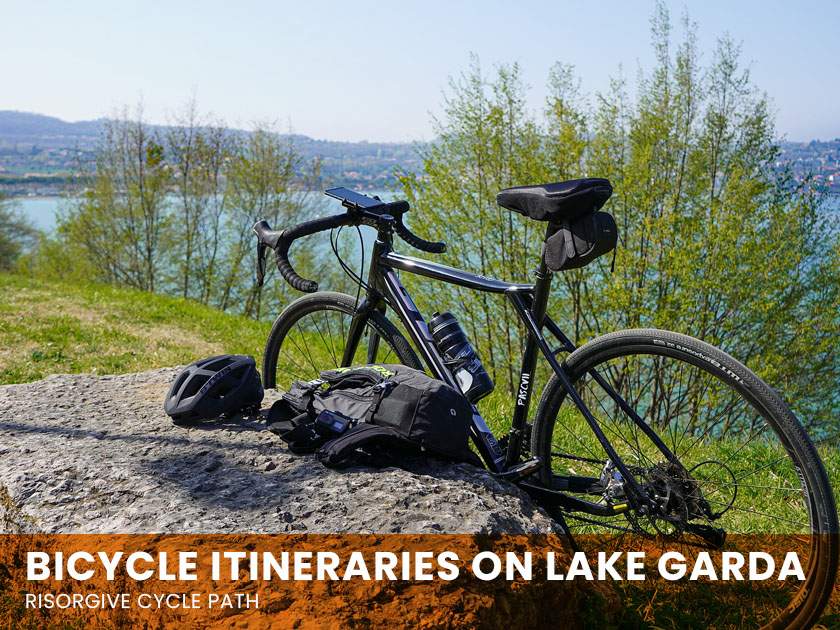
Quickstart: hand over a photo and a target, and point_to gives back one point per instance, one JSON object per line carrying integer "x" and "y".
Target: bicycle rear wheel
{"x": 748, "y": 466}
{"x": 311, "y": 333}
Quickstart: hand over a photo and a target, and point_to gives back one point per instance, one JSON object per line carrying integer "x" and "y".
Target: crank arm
{"x": 520, "y": 470}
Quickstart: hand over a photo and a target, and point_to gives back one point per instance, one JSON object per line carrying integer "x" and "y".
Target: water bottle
{"x": 459, "y": 355}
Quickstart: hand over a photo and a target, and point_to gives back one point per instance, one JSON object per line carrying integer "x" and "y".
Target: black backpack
{"x": 372, "y": 414}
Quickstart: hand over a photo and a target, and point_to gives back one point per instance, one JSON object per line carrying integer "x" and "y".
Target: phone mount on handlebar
{"x": 357, "y": 203}
{"x": 352, "y": 200}
{"x": 364, "y": 205}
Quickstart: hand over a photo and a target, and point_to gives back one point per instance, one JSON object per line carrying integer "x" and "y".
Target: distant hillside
{"x": 45, "y": 145}
{"x": 38, "y": 154}
{"x": 27, "y": 128}
{"x": 817, "y": 159}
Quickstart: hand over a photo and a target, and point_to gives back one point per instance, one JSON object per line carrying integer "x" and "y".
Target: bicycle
{"x": 664, "y": 437}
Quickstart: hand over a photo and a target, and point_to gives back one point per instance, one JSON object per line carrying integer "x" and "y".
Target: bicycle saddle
{"x": 558, "y": 201}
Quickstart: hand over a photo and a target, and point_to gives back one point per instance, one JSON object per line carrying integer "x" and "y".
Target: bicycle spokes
{"x": 317, "y": 342}
{"x": 734, "y": 473}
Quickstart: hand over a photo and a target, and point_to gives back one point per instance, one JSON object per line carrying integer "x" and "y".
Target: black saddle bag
{"x": 372, "y": 412}
{"x": 581, "y": 241}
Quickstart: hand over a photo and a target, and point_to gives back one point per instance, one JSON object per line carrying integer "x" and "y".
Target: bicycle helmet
{"x": 213, "y": 387}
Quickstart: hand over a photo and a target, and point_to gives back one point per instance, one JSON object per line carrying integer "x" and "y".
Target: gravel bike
{"x": 643, "y": 432}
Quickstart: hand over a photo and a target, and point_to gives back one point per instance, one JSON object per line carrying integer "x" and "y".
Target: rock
{"x": 111, "y": 461}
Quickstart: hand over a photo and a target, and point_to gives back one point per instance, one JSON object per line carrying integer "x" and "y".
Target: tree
{"x": 120, "y": 223}
{"x": 486, "y": 142}
{"x": 715, "y": 241}
{"x": 170, "y": 209}
{"x": 199, "y": 154}
{"x": 16, "y": 234}
{"x": 263, "y": 183}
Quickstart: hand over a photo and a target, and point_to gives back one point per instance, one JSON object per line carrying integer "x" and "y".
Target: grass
{"x": 48, "y": 328}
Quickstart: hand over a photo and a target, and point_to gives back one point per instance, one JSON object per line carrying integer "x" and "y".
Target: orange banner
{"x": 458, "y": 581}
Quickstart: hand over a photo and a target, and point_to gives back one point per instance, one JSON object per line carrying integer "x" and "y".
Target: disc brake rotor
{"x": 682, "y": 497}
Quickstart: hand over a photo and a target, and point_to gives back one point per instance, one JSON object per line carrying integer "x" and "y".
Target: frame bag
{"x": 370, "y": 413}
{"x": 580, "y": 242}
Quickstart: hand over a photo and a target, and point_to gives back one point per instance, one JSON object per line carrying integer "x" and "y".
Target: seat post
{"x": 542, "y": 285}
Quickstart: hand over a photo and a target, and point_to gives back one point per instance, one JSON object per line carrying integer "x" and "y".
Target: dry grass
{"x": 48, "y": 328}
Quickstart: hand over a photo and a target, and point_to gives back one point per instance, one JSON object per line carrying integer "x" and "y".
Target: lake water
{"x": 41, "y": 210}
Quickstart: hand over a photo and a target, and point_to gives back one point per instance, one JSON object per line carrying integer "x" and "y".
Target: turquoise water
{"x": 41, "y": 210}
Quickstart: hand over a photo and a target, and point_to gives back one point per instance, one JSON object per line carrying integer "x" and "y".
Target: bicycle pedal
{"x": 520, "y": 470}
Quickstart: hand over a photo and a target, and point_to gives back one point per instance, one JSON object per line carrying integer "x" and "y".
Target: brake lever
{"x": 261, "y": 247}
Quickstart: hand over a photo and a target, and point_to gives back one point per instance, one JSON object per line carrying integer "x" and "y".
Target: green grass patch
{"x": 48, "y": 328}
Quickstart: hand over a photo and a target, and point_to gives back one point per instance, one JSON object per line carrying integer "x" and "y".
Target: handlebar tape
{"x": 289, "y": 274}
{"x": 415, "y": 241}
{"x": 281, "y": 241}
{"x": 285, "y": 241}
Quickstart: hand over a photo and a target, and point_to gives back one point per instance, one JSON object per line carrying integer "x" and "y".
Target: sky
{"x": 365, "y": 70}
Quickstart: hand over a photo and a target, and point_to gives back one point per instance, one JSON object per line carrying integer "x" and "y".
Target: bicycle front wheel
{"x": 746, "y": 465}
{"x": 310, "y": 335}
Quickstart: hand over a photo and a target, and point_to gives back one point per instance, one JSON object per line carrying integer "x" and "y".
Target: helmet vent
{"x": 218, "y": 364}
{"x": 179, "y": 382}
{"x": 194, "y": 385}
{"x": 214, "y": 387}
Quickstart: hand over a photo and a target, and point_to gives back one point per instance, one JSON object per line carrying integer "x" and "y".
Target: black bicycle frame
{"x": 529, "y": 302}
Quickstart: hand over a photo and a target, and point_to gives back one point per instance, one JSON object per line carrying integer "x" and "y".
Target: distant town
{"x": 817, "y": 159}
{"x": 43, "y": 156}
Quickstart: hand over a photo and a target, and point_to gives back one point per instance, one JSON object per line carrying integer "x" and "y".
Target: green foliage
{"x": 170, "y": 210}
{"x": 16, "y": 234}
{"x": 261, "y": 183}
{"x": 118, "y": 227}
{"x": 485, "y": 143}
{"x": 714, "y": 240}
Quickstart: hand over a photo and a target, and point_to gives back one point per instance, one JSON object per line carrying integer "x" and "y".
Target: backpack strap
{"x": 297, "y": 430}
{"x": 379, "y": 391}
{"x": 301, "y": 394}
{"x": 342, "y": 450}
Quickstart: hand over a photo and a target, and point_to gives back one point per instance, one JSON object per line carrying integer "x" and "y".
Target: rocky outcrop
{"x": 96, "y": 454}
